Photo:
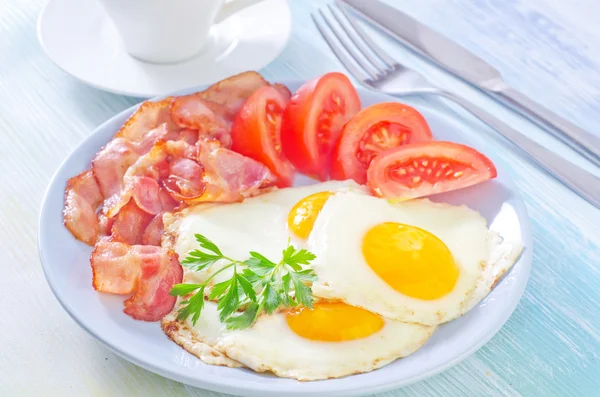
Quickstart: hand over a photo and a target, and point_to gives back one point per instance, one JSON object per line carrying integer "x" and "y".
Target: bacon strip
{"x": 160, "y": 271}
{"x": 82, "y": 197}
{"x": 154, "y": 231}
{"x": 105, "y": 225}
{"x": 114, "y": 269}
{"x": 188, "y": 136}
{"x": 147, "y": 271}
{"x": 230, "y": 176}
{"x": 185, "y": 181}
{"x": 160, "y": 133}
{"x": 140, "y": 182}
{"x": 169, "y": 153}
{"x": 130, "y": 224}
{"x": 211, "y": 120}
{"x": 111, "y": 163}
{"x": 234, "y": 91}
{"x": 148, "y": 116}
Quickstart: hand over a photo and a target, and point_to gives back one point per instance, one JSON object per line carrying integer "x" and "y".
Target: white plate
{"x": 80, "y": 38}
{"x": 66, "y": 265}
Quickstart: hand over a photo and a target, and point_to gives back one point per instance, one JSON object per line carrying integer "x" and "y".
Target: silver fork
{"x": 378, "y": 71}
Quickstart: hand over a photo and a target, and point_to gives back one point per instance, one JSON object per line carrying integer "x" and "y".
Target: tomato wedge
{"x": 375, "y": 129}
{"x": 313, "y": 121}
{"x": 420, "y": 169}
{"x": 256, "y": 132}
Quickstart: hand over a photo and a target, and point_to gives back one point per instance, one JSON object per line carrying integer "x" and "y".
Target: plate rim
{"x": 251, "y": 388}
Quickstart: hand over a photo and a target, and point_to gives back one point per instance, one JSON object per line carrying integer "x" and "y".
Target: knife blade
{"x": 462, "y": 63}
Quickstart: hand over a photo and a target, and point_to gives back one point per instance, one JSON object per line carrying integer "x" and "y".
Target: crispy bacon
{"x": 105, "y": 224}
{"x": 148, "y": 271}
{"x": 169, "y": 154}
{"x": 130, "y": 224}
{"x": 185, "y": 181}
{"x": 211, "y": 120}
{"x": 113, "y": 268}
{"x": 167, "y": 202}
{"x": 230, "y": 176}
{"x": 140, "y": 182}
{"x": 183, "y": 149}
{"x": 148, "y": 116}
{"x": 82, "y": 197}
{"x": 111, "y": 163}
{"x": 188, "y": 136}
{"x": 153, "y": 233}
{"x": 160, "y": 133}
{"x": 144, "y": 191}
{"x": 143, "y": 179}
{"x": 234, "y": 91}
{"x": 160, "y": 270}
{"x": 191, "y": 111}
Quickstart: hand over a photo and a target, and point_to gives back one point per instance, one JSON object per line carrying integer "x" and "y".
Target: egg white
{"x": 336, "y": 240}
{"x": 257, "y": 224}
{"x": 270, "y": 345}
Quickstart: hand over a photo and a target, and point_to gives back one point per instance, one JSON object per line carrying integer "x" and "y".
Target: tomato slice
{"x": 421, "y": 169}
{"x": 313, "y": 121}
{"x": 256, "y": 132}
{"x": 375, "y": 129}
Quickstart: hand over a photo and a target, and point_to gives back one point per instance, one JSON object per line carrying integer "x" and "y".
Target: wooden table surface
{"x": 549, "y": 49}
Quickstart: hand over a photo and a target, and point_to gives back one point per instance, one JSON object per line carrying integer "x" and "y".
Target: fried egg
{"x": 387, "y": 275}
{"x": 258, "y": 223}
{"x": 418, "y": 261}
{"x": 329, "y": 341}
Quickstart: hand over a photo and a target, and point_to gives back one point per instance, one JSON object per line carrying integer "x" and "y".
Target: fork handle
{"x": 577, "y": 179}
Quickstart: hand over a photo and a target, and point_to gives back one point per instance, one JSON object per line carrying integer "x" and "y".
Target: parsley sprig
{"x": 257, "y": 284}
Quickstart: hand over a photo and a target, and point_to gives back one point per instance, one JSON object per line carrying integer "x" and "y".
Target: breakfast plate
{"x": 66, "y": 265}
{"x": 80, "y": 38}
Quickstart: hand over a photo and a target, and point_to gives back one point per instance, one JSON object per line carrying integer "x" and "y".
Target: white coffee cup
{"x": 167, "y": 31}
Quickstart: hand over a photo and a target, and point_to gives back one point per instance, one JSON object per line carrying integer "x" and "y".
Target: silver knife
{"x": 457, "y": 60}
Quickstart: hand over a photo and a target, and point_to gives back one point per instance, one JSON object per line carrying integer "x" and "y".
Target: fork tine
{"x": 370, "y": 42}
{"x": 351, "y": 48}
{"x": 375, "y": 60}
{"x": 338, "y": 51}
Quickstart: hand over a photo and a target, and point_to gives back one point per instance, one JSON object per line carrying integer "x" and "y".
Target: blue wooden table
{"x": 549, "y": 49}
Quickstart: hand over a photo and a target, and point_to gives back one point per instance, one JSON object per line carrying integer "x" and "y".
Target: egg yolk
{"x": 411, "y": 260}
{"x": 301, "y": 218}
{"x": 334, "y": 322}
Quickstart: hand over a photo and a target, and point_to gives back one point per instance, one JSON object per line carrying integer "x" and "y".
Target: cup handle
{"x": 233, "y": 6}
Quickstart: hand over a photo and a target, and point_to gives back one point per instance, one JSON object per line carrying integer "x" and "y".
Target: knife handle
{"x": 585, "y": 143}
{"x": 577, "y": 179}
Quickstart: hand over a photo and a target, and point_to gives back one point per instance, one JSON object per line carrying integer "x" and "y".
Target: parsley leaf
{"x": 207, "y": 244}
{"x": 192, "y": 307}
{"x": 271, "y": 298}
{"x": 257, "y": 284}
{"x": 302, "y": 293}
{"x": 293, "y": 257}
{"x": 247, "y": 287}
{"x": 230, "y": 301}
{"x": 244, "y": 319}
{"x": 184, "y": 289}
{"x": 200, "y": 260}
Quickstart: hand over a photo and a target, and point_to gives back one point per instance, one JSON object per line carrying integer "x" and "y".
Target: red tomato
{"x": 313, "y": 120}
{"x": 256, "y": 132}
{"x": 421, "y": 169}
{"x": 373, "y": 130}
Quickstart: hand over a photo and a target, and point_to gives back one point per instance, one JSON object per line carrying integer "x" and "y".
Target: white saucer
{"x": 80, "y": 38}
